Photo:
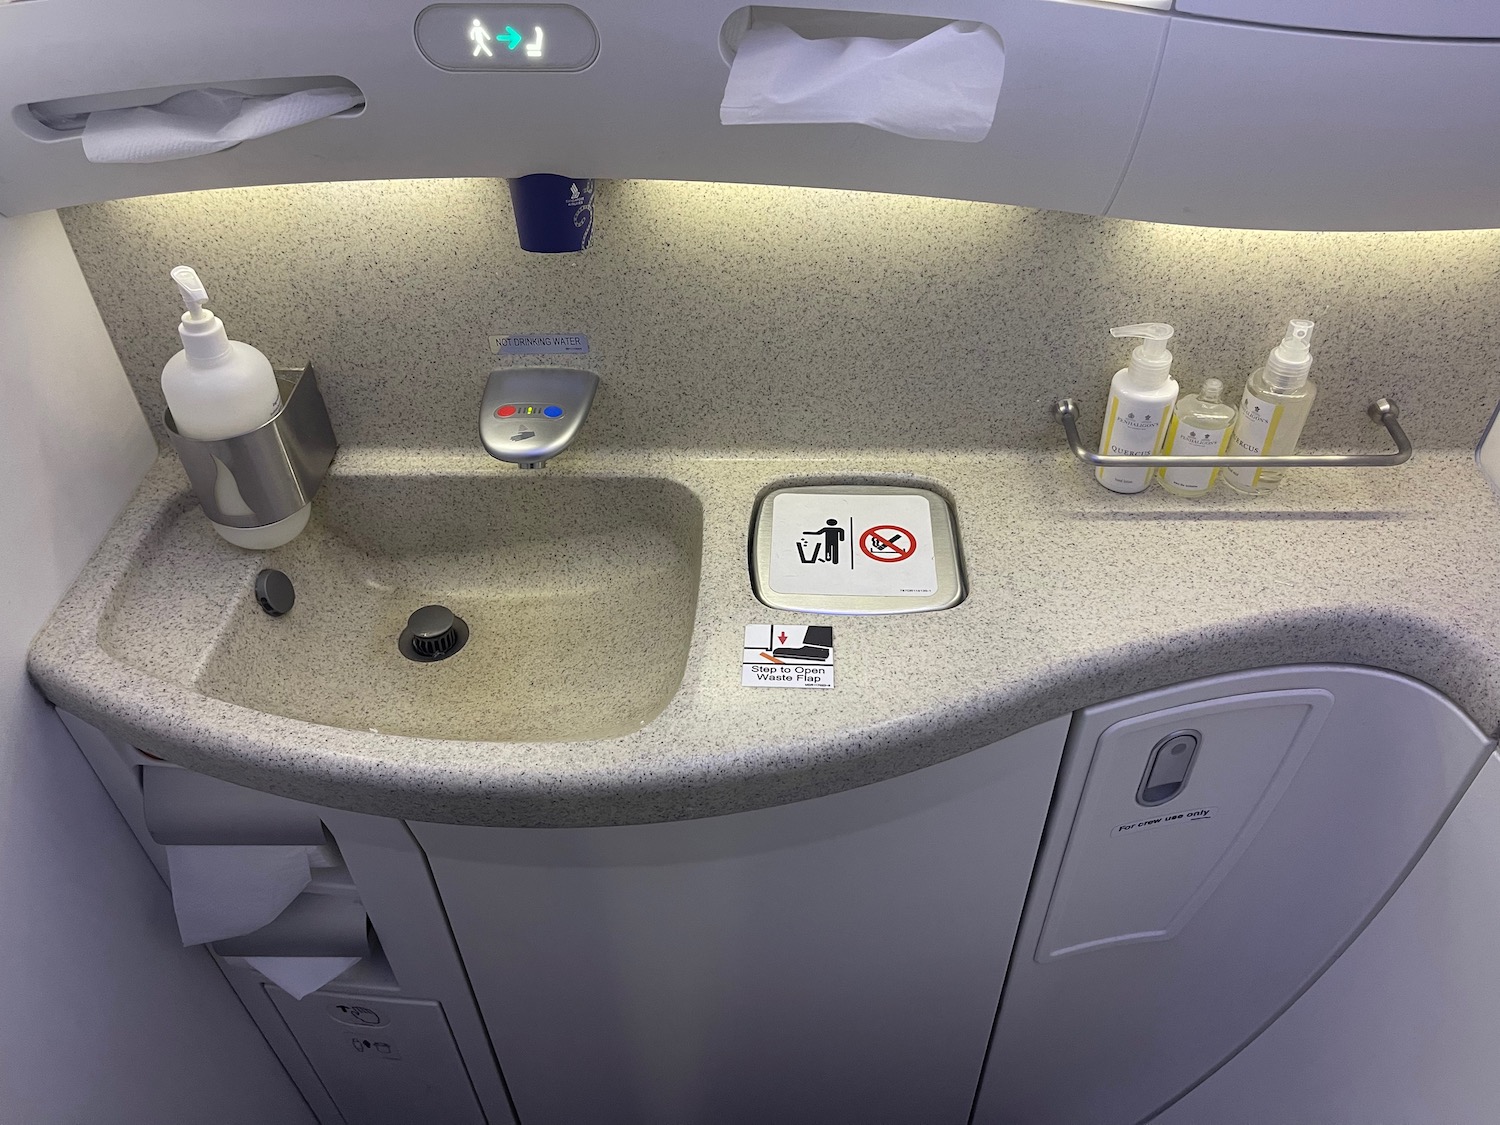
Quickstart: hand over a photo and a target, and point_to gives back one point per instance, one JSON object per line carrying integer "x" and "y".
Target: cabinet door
{"x": 1402, "y": 1027}
{"x": 1159, "y": 940}
{"x": 1265, "y": 127}
{"x": 834, "y": 960}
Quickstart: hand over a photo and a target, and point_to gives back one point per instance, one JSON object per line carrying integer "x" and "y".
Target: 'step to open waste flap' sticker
{"x": 860, "y": 545}
{"x": 797, "y": 656}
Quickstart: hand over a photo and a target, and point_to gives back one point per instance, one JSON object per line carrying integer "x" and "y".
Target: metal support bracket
{"x": 276, "y": 467}
{"x": 1382, "y": 411}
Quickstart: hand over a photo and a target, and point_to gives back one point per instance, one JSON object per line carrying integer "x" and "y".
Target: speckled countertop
{"x": 1076, "y": 596}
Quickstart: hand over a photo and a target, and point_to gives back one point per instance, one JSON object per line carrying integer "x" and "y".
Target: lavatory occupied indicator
{"x": 506, "y": 37}
{"x": 510, "y": 39}
{"x": 479, "y": 35}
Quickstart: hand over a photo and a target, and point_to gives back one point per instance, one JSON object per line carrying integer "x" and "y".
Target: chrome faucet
{"x": 531, "y": 414}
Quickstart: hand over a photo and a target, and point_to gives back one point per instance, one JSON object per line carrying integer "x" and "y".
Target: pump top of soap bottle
{"x": 1150, "y": 362}
{"x": 203, "y": 335}
{"x": 1291, "y": 360}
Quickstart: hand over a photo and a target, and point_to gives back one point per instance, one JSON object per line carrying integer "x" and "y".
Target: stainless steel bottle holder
{"x": 278, "y": 466}
{"x": 1382, "y": 411}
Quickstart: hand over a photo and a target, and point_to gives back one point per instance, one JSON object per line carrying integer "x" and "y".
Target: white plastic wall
{"x": 1455, "y": 19}
{"x": 1112, "y": 1034}
{"x": 1264, "y": 127}
{"x": 1402, "y": 1027}
{"x": 833, "y": 960}
{"x": 106, "y": 1018}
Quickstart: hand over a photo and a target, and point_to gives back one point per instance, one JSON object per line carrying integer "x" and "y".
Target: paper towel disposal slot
{"x": 915, "y": 76}
{"x": 63, "y": 119}
{"x": 824, "y": 23}
{"x": 312, "y": 925}
{"x": 182, "y": 807}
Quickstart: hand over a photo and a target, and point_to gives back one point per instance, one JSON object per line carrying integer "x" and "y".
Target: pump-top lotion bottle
{"x": 221, "y": 388}
{"x": 1140, "y": 401}
{"x": 1274, "y": 409}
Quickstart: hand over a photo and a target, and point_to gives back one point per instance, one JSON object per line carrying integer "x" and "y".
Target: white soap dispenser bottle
{"x": 219, "y": 388}
{"x": 1140, "y": 401}
{"x": 215, "y": 387}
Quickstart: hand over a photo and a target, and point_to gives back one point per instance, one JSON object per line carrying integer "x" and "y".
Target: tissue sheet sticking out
{"x": 943, "y": 86}
{"x": 196, "y": 122}
{"x": 297, "y": 976}
{"x": 224, "y": 892}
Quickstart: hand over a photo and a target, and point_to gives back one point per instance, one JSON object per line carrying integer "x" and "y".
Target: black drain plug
{"x": 432, "y": 633}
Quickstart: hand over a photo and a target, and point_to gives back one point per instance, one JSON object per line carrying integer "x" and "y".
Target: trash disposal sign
{"x": 826, "y": 543}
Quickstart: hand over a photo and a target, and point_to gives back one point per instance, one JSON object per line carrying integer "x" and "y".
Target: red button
{"x": 505, "y": 411}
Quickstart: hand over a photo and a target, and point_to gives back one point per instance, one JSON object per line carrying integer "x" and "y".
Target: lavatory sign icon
{"x": 828, "y": 550}
{"x": 479, "y": 35}
{"x": 856, "y": 545}
{"x": 888, "y": 543}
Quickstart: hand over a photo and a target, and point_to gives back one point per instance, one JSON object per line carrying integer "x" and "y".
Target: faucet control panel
{"x": 531, "y": 414}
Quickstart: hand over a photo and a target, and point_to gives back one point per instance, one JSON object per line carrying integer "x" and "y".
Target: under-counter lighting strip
{"x": 1382, "y": 410}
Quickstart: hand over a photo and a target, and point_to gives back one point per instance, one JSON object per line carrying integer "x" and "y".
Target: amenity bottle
{"x": 1273, "y": 409}
{"x": 1140, "y": 401}
{"x": 218, "y": 388}
{"x": 1201, "y": 426}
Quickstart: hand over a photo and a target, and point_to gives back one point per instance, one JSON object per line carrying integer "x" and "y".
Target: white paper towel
{"x": 196, "y": 122}
{"x": 225, "y": 891}
{"x": 943, "y": 86}
{"x": 298, "y": 976}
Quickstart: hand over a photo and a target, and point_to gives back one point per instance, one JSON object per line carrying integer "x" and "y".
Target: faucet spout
{"x": 531, "y": 414}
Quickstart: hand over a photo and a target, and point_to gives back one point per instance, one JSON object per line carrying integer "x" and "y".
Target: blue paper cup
{"x": 554, "y": 214}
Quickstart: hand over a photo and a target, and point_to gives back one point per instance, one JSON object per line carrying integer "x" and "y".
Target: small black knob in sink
{"x": 432, "y": 633}
{"x": 273, "y": 590}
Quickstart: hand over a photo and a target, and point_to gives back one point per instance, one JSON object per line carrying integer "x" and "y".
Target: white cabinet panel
{"x": 1110, "y": 1035}
{"x": 1076, "y": 81}
{"x": 1138, "y": 873}
{"x": 1437, "y": 19}
{"x": 1262, "y": 127}
{"x": 836, "y": 960}
{"x": 405, "y": 1068}
{"x": 1402, "y": 1027}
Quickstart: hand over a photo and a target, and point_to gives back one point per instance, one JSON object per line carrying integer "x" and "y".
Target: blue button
{"x": 552, "y": 411}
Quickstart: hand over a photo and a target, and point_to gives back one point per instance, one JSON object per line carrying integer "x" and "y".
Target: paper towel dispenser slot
{"x": 824, "y": 23}
{"x": 182, "y": 807}
{"x": 63, "y": 119}
{"x": 311, "y": 926}
{"x": 915, "y": 76}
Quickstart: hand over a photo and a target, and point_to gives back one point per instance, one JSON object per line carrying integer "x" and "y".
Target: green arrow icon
{"x": 510, "y": 37}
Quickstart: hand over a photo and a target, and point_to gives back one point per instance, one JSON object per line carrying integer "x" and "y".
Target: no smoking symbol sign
{"x": 888, "y": 543}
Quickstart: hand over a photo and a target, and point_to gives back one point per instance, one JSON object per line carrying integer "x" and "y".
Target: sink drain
{"x": 432, "y": 633}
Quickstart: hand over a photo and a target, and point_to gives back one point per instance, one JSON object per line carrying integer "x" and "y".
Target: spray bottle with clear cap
{"x": 221, "y": 388}
{"x": 1140, "y": 401}
{"x": 1274, "y": 409}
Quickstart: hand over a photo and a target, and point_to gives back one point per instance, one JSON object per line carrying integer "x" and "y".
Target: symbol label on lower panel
{"x": 794, "y": 656}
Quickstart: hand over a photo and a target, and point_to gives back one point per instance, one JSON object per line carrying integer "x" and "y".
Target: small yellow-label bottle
{"x": 1201, "y": 427}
